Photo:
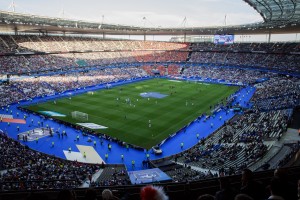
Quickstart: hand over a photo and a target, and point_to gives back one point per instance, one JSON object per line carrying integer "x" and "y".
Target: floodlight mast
{"x": 61, "y": 13}
{"x": 184, "y": 22}
{"x": 13, "y": 6}
{"x": 102, "y": 22}
{"x": 144, "y": 21}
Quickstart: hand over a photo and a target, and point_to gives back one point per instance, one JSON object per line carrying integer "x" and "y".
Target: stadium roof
{"x": 280, "y": 11}
{"x": 280, "y": 16}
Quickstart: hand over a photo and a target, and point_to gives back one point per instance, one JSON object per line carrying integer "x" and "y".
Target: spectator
{"x": 37, "y": 196}
{"x": 299, "y": 189}
{"x": 227, "y": 192}
{"x": 66, "y": 195}
{"x": 108, "y": 195}
{"x": 275, "y": 189}
{"x": 34, "y": 167}
{"x": 90, "y": 194}
{"x": 206, "y": 197}
{"x": 287, "y": 189}
{"x": 242, "y": 197}
{"x": 153, "y": 193}
{"x": 251, "y": 187}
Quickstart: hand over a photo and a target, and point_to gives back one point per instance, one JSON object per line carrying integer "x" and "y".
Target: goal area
{"x": 80, "y": 116}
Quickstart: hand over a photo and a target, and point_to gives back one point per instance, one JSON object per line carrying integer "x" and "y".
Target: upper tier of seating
{"x": 69, "y": 52}
{"x": 17, "y": 44}
{"x": 249, "y": 47}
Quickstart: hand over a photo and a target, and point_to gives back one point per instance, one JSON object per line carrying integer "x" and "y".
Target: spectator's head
{"x": 243, "y": 197}
{"x": 66, "y": 195}
{"x": 206, "y": 197}
{"x": 90, "y": 194}
{"x": 107, "y": 194}
{"x": 153, "y": 193}
{"x": 299, "y": 189}
{"x": 276, "y": 186}
{"x": 281, "y": 173}
{"x": 224, "y": 182}
{"x": 247, "y": 175}
{"x": 37, "y": 196}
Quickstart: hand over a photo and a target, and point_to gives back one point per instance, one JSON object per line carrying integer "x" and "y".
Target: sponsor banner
{"x": 52, "y": 113}
{"x": 92, "y": 125}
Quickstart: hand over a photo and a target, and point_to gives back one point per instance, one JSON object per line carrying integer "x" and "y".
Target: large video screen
{"x": 223, "y": 39}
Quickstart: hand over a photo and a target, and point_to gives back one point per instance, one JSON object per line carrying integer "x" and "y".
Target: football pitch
{"x": 166, "y": 107}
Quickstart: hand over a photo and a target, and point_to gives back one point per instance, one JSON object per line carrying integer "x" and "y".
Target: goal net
{"x": 80, "y": 116}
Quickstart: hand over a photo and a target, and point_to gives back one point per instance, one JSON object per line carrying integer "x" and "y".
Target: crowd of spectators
{"x": 277, "y": 56}
{"x": 235, "y": 146}
{"x": 68, "y": 43}
{"x": 248, "y": 186}
{"x": 75, "y": 52}
{"x": 9, "y": 95}
{"x": 30, "y": 87}
{"x": 227, "y": 159}
{"x": 25, "y": 169}
{"x": 239, "y": 143}
{"x": 78, "y": 51}
{"x": 277, "y": 93}
{"x": 295, "y": 147}
{"x": 186, "y": 174}
{"x": 112, "y": 176}
{"x": 232, "y": 75}
{"x": 249, "y": 47}
{"x": 279, "y": 62}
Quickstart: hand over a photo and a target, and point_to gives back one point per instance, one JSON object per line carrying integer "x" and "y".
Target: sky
{"x": 149, "y": 13}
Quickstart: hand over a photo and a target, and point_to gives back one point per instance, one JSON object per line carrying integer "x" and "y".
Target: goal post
{"x": 80, "y": 116}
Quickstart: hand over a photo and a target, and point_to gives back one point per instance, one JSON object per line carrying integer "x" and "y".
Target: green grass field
{"x": 167, "y": 115}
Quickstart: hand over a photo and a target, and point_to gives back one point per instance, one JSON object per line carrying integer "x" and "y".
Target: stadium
{"x": 84, "y": 113}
